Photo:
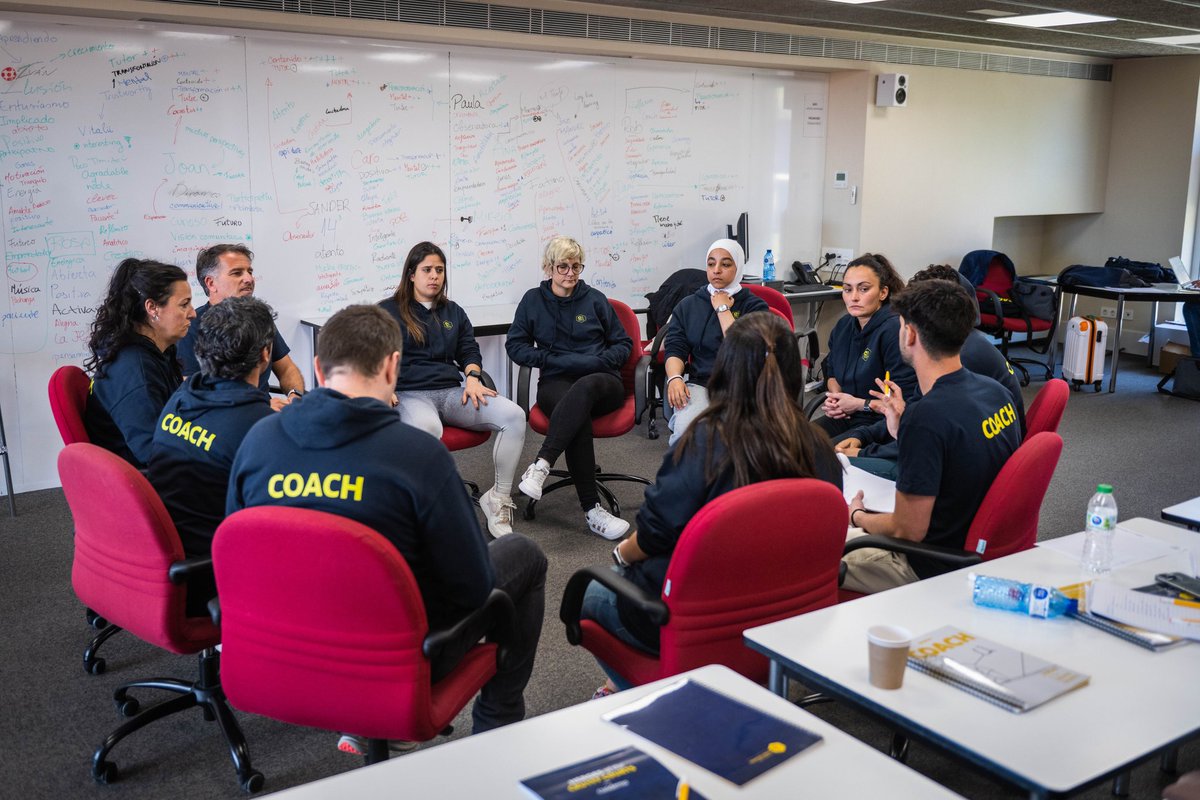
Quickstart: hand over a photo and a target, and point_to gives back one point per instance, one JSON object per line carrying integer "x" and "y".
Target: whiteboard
{"x": 331, "y": 159}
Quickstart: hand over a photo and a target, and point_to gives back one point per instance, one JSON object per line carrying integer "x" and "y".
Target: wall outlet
{"x": 1128, "y": 313}
{"x": 1108, "y": 311}
{"x": 838, "y": 257}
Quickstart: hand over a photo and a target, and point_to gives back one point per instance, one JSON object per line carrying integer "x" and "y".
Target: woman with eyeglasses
{"x": 439, "y": 345}
{"x": 569, "y": 331}
{"x": 146, "y": 310}
{"x": 697, "y": 328}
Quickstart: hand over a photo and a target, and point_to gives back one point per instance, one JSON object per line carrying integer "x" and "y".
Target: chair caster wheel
{"x": 95, "y": 666}
{"x": 652, "y": 435}
{"x": 253, "y": 782}
{"x": 105, "y": 772}
{"x": 96, "y": 621}
{"x": 128, "y": 707}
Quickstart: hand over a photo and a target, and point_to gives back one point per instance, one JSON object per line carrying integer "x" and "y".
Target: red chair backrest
{"x": 757, "y": 554}
{"x": 125, "y": 543}
{"x": 1007, "y": 520}
{"x": 322, "y": 623}
{"x": 1047, "y": 408}
{"x": 998, "y": 278}
{"x": 776, "y": 301}
{"x": 633, "y": 328}
{"x": 69, "y": 386}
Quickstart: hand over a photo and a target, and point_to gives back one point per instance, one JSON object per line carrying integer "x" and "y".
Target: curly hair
{"x": 753, "y": 407}
{"x": 884, "y": 271}
{"x": 232, "y": 335}
{"x": 123, "y": 309}
{"x": 404, "y": 291}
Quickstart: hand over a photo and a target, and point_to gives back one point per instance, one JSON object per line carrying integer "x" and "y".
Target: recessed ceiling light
{"x": 1055, "y": 20}
{"x": 1191, "y": 38}
{"x": 991, "y": 12}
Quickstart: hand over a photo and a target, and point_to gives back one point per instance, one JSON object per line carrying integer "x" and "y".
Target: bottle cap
{"x": 1104, "y": 488}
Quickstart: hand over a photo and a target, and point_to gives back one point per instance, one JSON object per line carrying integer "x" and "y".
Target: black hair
{"x": 942, "y": 313}
{"x": 123, "y": 309}
{"x": 358, "y": 338}
{"x": 208, "y": 260}
{"x": 232, "y": 335}
{"x": 888, "y": 277}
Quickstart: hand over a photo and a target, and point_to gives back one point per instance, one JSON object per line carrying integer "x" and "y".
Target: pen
{"x": 682, "y": 790}
{"x": 887, "y": 390}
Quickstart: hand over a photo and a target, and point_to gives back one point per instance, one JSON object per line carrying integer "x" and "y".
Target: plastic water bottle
{"x": 1099, "y": 530}
{"x": 768, "y": 266}
{"x": 1029, "y": 598}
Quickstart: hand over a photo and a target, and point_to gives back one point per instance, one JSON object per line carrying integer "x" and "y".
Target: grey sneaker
{"x": 357, "y": 745}
{"x": 605, "y": 524}
{"x": 498, "y": 511}
{"x": 532, "y": 480}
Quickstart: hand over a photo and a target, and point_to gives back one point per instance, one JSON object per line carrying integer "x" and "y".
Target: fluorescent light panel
{"x": 854, "y": 2}
{"x": 1055, "y": 20}
{"x": 1191, "y": 38}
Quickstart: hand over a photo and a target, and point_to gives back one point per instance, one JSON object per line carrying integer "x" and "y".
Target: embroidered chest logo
{"x": 447, "y": 324}
{"x": 581, "y": 317}
{"x": 866, "y": 356}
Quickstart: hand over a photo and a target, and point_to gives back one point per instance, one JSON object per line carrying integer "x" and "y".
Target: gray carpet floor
{"x": 54, "y": 715}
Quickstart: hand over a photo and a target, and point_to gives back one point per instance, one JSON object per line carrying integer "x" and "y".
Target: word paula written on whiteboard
{"x": 460, "y": 103}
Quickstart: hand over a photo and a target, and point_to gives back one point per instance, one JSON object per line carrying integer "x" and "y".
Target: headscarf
{"x": 739, "y": 258}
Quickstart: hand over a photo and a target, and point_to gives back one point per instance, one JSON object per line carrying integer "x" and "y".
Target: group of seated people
{"x": 907, "y": 376}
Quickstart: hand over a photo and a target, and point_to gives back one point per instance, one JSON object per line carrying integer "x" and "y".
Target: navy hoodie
{"x": 568, "y": 337}
{"x": 355, "y": 458}
{"x": 191, "y": 365}
{"x": 860, "y": 354}
{"x": 679, "y": 491}
{"x": 449, "y": 346}
{"x": 127, "y": 397}
{"x": 694, "y": 330}
{"x": 192, "y": 452}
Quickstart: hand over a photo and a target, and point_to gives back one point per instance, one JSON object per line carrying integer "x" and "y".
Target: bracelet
{"x": 852, "y": 513}
{"x": 618, "y": 559}
{"x": 675, "y": 378}
{"x": 475, "y": 375}
{"x": 293, "y": 392}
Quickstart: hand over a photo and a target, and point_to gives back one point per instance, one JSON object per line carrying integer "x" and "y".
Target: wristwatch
{"x": 722, "y": 307}
{"x": 866, "y": 405}
{"x": 618, "y": 559}
{"x": 475, "y": 374}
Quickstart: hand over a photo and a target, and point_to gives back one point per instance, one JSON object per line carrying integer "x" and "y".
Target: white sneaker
{"x": 605, "y": 524}
{"x": 357, "y": 745}
{"x": 498, "y": 511}
{"x": 532, "y": 480}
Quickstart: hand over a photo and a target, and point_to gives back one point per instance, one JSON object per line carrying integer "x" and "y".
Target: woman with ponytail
{"x": 146, "y": 310}
{"x": 753, "y": 430}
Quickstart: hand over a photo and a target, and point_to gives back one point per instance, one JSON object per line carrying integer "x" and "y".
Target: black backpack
{"x": 1186, "y": 377}
{"x": 679, "y": 285}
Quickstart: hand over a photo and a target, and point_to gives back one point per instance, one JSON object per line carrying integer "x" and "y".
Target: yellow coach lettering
{"x": 992, "y": 426}
{"x": 195, "y": 434}
{"x": 335, "y": 486}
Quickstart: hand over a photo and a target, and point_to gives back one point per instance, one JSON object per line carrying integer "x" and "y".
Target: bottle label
{"x": 1101, "y": 521}
{"x": 1039, "y": 601}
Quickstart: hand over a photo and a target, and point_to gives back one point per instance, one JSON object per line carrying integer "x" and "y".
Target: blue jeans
{"x": 1191, "y": 318}
{"x": 600, "y": 606}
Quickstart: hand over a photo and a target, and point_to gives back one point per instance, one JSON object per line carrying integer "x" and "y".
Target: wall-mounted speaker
{"x": 891, "y": 89}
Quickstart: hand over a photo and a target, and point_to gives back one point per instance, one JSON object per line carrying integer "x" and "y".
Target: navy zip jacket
{"x": 127, "y": 397}
{"x": 192, "y": 452}
{"x": 859, "y": 355}
{"x": 679, "y": 491}
{"x": 568, "y": 337}
{"x": 449, "y": 346}
{"x": 355, "y": 458}
{"x": 191, "y": 365}
{"x": 979, "y": 356}
{"x": 695, "y": 331}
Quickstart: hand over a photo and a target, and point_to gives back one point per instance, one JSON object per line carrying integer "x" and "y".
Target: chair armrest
{"x": 524, "y": 375}
{"x": 214, "y": 609}
{"x": 486, "y": 379}
{"x": 640, "y": 373}
{"x": 572, "y": 603}
{"x": 947, "y": 555}
{"x": 993, "y": 300}
{"x": 189, "y": 569}
{"x": 814, "y": 405}
{"x": 496, "y": 619}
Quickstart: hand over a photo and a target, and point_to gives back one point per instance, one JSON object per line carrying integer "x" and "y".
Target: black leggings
{"x": 571, "y": 405}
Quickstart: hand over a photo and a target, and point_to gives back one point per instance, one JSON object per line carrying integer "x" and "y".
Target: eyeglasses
{"x": 568, "y": 269}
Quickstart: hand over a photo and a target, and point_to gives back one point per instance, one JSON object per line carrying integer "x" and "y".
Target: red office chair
{"x": 611, "y": 425}
{"x": 1007, "y": 519}
{"x": 68, "y": 389}
{"x": 1000, "y": 315}
{"x": 323, "y": 625}
{"x": 1047, "y": 408}
{"x": 775, "y": 301}
{"x": 725, "y": 577}
{"x": 130, "y": 566}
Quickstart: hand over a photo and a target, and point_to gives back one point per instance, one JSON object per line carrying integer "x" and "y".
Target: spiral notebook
{"x": 1014, "y": 680}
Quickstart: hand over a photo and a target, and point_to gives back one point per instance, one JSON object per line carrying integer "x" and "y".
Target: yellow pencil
{"x": 887, "y": 376}
{"x": 682, "y": 790}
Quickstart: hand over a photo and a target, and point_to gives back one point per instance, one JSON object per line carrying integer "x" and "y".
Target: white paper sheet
{"x": 1128, "y": 548}
{"x": 1152, "y": 612}
{"x": 879, "y": 494}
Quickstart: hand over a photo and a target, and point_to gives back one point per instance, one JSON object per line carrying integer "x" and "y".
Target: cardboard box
{"x": 1168, "y": 356}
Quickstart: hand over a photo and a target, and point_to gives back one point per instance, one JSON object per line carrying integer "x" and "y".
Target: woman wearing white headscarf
{"x": 697, "y": 328}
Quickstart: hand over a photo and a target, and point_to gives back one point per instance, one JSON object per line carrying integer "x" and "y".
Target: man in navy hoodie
{"x": 205, "y": 420}
{"x": 343, "y": 449}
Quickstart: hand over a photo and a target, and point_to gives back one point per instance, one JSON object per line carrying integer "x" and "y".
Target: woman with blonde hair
{"x": 569, "y": 331}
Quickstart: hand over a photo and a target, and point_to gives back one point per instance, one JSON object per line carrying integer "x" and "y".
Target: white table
{"x": 1138, "y": 703}
{"x": 492, "y": 765}
{"x": 1185, "y": 513}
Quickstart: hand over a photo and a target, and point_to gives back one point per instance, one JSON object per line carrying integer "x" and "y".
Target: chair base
{"x": 606, "y": 494}
{"x": 91, "y": 664}
{"x": 206, "y": 693}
